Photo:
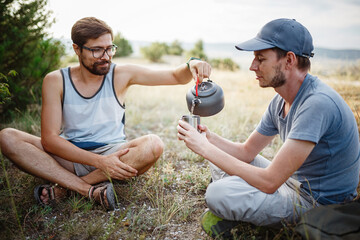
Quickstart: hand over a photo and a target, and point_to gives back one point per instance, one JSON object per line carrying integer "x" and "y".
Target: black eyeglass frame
{"x": 104, "y": 50}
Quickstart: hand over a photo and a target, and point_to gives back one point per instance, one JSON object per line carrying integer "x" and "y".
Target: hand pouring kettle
{"x": 205, "y": 99}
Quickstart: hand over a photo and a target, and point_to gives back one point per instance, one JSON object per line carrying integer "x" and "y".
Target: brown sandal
{"x": 51, "y": 192}
{"x": 110, "y": 196}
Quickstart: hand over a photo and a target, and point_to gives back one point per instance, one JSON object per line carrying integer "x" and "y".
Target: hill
{"x": 340, "y": 54}
{"x": 346, "y": 54}
{"x": 227, "y": 50}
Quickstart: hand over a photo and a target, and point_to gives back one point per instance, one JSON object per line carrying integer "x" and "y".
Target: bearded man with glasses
{"x": 83, "y": 143}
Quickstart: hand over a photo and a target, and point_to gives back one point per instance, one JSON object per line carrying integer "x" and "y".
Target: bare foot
{"x": 97, "y": 197}
{"x": 58, "y": 192}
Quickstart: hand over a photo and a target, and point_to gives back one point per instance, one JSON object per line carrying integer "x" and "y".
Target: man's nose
{"x": 253, "y": 66}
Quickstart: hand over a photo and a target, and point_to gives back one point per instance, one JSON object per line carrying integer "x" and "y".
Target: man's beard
{"x": 278, "y": 80}
{"x": 94, "y": 69}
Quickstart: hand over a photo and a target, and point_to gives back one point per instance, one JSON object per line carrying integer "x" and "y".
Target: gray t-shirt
{"x": 320, "y": 115}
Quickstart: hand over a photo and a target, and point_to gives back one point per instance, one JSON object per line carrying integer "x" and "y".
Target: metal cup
{"x": 193, "y": 120}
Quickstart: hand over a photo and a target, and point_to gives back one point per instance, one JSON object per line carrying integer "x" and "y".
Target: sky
{"x": 333, "y": 24}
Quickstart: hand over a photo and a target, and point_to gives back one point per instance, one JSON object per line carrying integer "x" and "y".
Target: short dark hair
{"x": 89, "y": 28}
{"x": 303, "y": 62}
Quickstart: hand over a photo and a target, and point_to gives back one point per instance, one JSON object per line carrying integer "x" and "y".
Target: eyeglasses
{"x": 99, "y": 52}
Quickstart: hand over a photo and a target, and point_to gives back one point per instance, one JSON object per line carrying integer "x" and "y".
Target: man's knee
{"x": 230, "y": 197}
{"x": 156, "y": 145}
{"x": 215, "y": 194}
{"x": 8, "y": 139}
{"x": 217, "y": 200}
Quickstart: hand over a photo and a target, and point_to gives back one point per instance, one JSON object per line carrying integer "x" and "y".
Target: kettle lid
{"x": 205, "y": 89}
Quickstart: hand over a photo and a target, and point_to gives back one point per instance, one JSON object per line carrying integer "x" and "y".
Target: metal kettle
{"x": 205, "y": 99}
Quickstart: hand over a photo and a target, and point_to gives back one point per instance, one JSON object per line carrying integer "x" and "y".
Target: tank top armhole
{"x": 63, "y": 95}
{"x": 113, "y": 87}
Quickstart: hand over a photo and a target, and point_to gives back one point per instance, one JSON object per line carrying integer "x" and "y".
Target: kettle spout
{"x": 196, "y": 101}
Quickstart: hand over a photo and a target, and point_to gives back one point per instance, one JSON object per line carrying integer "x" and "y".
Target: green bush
{"x": 155, "y": 51}
{"x": 124, "y": 47}
{"x": 197, "y": 51}
{"x": 224, "y": 64}
{"x": 26, "y": 48}
{"x": 4, "y": 87}
{"x": 175, "y": 48}
{"x": 69, "y": 59}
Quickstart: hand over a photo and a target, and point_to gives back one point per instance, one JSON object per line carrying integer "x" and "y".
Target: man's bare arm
{"x": 228, "y": 156}
{"x": 290, "y": 157}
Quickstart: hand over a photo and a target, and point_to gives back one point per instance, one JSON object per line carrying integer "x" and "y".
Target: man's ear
{"x": 77, "y": 49}
{"x": 291, "y": 59}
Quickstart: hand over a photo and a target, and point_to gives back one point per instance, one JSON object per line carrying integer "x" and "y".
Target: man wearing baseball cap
{"x": 319, "y": 161}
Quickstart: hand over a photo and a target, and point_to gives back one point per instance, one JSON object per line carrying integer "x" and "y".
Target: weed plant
{"x": 165, "y": 202}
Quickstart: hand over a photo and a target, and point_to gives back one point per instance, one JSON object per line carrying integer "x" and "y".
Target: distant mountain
{"x": 222, "y": 50}
{"x": 229, "y": 49}
{"x": 348, "y": 54}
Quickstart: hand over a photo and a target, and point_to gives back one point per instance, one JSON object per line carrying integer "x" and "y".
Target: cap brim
{"x": 254, "y": 44}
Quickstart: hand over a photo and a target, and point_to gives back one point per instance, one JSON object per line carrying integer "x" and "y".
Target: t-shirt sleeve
{"x": 267, "y": 125}
{"x": 317, "y": 115}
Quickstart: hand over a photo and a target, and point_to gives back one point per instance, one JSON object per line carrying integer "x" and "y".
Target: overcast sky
{"x": 333, "y": 23}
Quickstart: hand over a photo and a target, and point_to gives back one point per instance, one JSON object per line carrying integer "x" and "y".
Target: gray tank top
{"x": 92, "y": 120}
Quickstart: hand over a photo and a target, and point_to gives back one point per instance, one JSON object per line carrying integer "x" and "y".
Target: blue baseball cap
{"x": 286, "y": 34}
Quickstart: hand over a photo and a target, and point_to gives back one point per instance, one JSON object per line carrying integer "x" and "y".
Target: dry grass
{"x": 164, "y": 203}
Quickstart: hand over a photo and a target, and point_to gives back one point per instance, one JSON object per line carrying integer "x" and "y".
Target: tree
{"x": 175, "y": 48}
{"x": 124, "y": 47}
{"x": 224, "y": 64}
{"x": 155, "y": 51}
{"x": 26, "y": 48}
{"x": 4, "y": 87}
{"x": 198, "y": 51}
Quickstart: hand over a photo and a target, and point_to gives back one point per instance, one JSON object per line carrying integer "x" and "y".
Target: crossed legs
{"x": 27, "y": 153}
{"x": 232, "y": 198}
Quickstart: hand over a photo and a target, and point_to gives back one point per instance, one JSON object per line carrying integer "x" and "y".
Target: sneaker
{"x": 217, "y": 227}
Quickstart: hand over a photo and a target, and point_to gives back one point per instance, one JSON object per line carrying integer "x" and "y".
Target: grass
{"x": 165, "y": 202}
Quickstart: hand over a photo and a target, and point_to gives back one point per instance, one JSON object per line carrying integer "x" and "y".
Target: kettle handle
{"x": 197, "y": 83}
{"x": 208, "y": 80}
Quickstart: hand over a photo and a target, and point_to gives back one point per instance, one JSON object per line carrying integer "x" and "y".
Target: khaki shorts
{"x": 83, "y": 169}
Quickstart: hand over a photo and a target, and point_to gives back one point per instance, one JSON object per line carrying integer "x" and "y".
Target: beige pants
{"x": 232, "y": 198}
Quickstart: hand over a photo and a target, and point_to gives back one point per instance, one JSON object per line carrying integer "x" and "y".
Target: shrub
{"x": 124, "y": 47}
{"x": 224, "y": 64}
{"x": 175, "y": 48}
{"x": 26, "y": 49}
{"x": 4, "y": 87}
{"x": 198, "y": 51}
{"x": 155, "y": 51}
